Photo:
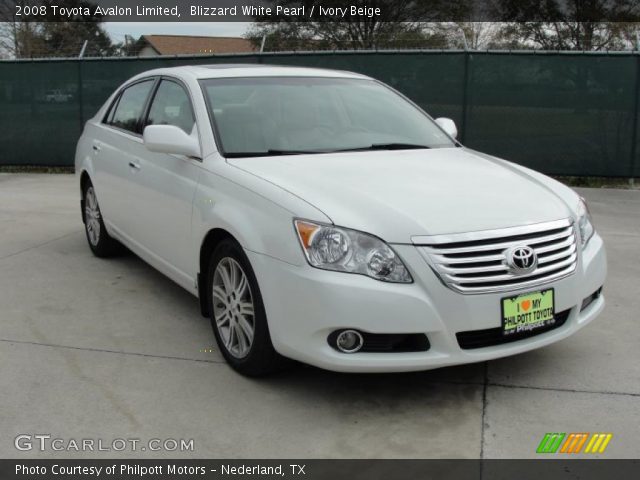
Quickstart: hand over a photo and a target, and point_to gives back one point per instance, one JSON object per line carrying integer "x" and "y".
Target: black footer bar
{"x": 538, "y": 469}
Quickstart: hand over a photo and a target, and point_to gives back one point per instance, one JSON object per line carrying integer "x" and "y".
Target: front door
{"x": 165, "y": 188}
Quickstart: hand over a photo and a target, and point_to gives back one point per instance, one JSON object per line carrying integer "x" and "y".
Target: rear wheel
{"x": 101, "y": 244}
{"x": 237, "y": 313}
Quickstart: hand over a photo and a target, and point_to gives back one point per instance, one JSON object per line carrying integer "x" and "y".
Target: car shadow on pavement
{"x": 304, "y": 377}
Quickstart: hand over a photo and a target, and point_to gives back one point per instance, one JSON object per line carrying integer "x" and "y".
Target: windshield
{"x": 295, "y": 115}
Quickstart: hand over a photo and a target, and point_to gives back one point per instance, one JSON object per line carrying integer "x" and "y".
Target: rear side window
{"x": 171, "y": 106}
{"x": 130, "y": 107}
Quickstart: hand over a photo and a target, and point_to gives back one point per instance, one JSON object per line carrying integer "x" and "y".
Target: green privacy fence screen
{"x": 561, "y": 113}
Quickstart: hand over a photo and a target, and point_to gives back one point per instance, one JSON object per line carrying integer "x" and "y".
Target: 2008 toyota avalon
{"x": 321, "y": 216}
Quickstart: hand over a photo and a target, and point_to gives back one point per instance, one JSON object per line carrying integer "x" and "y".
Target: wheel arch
{"x": 211, "y": 240}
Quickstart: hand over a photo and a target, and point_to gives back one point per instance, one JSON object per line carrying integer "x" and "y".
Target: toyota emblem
{"x": 522, "y": 259}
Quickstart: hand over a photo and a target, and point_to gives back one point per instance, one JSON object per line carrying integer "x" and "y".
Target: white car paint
{"x": 397, "y": 206}
{"x": 162, "y": 206}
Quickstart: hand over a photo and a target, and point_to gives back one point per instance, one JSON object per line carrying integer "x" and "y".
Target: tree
{"x": 65, "y": 36}
{"x": 402, "y": 24}
{"x": 466, "y": 35}
{"x": 18, "y": 39}
{"x": 53, "y": 35}
{"x": 569, "y": 24}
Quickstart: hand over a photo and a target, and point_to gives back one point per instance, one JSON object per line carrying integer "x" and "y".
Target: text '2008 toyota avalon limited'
{"x": 321, "y": 216}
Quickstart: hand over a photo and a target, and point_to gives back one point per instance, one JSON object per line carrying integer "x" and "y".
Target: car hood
{"x": 399, "y": 194}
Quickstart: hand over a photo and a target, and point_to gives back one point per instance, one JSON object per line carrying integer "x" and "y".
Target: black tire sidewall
{"x": 261, "y": 355}
{"x": 106, "y": 245}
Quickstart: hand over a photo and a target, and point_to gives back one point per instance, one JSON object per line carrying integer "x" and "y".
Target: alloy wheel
{"x": 92, "y": 217}
{"x": 233, "y": 307}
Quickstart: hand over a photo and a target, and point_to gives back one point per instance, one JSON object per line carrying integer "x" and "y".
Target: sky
{"x": 117, "y": 30}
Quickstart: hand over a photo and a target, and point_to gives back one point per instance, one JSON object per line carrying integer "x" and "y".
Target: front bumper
{"x": 304, "y": 305}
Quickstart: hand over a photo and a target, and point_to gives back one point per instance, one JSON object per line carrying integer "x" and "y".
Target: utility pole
{"x": 84, "y": 47}
{"x": 464, "y": 38}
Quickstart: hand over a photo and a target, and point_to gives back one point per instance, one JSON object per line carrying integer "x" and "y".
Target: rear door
{"x": 116, "y": 149}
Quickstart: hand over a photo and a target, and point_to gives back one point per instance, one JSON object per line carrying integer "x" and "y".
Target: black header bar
{"x": 323, "y": 10}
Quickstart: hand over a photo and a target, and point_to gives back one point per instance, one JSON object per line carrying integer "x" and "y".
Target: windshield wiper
{"x": 375, "y": 146}
{"x": 294, "y": 152}
{"x": 386, "y": 146}
{"x": 272, "y": 153}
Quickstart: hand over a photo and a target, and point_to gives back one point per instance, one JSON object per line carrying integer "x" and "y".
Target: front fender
{"x": 257, "y": 223}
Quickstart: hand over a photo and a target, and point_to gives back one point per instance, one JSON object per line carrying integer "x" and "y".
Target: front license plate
{"x": 527, "y": 312}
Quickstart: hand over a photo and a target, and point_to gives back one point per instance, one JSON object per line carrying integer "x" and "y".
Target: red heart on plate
{"x": 526, "y": 304}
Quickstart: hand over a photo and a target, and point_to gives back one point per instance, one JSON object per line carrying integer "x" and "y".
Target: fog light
{"x": 590, "y": 299}
{"x": 349, "y": 341}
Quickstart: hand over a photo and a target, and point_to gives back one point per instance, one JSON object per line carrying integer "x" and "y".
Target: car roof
{"x": 231, "y": 70}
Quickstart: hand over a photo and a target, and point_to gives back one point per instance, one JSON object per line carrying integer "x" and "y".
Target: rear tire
{"x": 237, "y": 313}
{"x": 101, "y": 244}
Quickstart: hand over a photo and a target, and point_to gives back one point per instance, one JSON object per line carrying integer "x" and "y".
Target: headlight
{"x": 344, "y": 250}
{"x": 584, "y": 222}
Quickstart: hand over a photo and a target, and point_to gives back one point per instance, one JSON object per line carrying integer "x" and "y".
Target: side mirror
{"x": 448, "y": 126}
{"x": 170, "y": 139}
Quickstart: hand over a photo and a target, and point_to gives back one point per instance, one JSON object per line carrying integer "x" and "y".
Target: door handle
{"x": 96, "y": 148}
{"x": 134, "y": 165}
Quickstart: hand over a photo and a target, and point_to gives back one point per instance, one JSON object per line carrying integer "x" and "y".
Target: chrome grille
{"x": 476, "y": 262}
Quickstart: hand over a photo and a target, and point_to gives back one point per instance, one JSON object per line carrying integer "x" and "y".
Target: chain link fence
{"x": 562, "y": 113}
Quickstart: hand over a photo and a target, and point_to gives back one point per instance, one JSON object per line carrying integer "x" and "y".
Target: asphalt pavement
{"x": 111, "y": 349}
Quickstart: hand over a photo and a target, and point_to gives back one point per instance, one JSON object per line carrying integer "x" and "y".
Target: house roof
{"x": 191, "y": 45}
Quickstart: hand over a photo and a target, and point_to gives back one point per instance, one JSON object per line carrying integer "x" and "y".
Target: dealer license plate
{"x": 527, "y": 312}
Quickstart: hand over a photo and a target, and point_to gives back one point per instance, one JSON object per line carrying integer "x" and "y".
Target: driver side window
{"x": 128, "y": 108}
{"x": 171, "y": 106}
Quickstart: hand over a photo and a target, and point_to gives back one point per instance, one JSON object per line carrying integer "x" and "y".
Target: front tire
{"x": 101, "y": 244}
{"x": 237, "y": 313}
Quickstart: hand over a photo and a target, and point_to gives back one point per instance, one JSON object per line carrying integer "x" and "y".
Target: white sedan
{"x": 321, "y": 216}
